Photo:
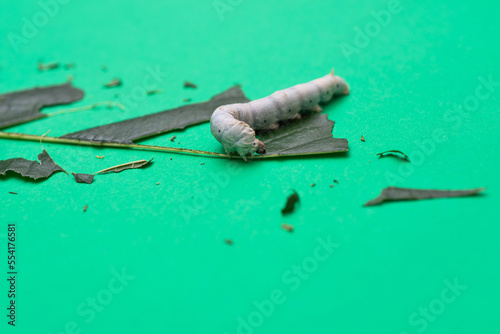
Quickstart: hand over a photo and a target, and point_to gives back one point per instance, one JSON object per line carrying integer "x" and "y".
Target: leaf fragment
{"x": 409, "y": 194}
{"x": 125, "y": 132}
{"x": 24, "y": 106}
{"x": 83, "y": 178}
{"x": 310, "y": 135}
{"x": 31, "y": 168}
{"x": 290, "y": 203}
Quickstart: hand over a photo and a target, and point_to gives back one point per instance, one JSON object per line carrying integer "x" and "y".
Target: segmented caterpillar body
{"x": 234, "y": 125}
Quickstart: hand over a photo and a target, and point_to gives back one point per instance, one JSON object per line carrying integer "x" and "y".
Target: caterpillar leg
{"x": 317, "y": 109}
{"x": 228, "y": 152}
{"x": 275, "y": 126}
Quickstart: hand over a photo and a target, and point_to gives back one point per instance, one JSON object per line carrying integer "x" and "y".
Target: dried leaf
{"x": 24, "y": 106}
{"x": 290, "y": 203}
{"x": 31, "y": 168}
{"x": 122, "y": 167}
{"x": 83, "y": 178}
{"x": 390, "y": 153}
{"x": 408, "y": 194}
{"x": 310, "y": 135}
{"x": 125, "y": 132}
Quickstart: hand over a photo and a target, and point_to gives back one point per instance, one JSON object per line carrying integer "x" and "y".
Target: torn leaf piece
{"x": 83, "y": 178}
{"x": 31, "y": 168}
{"x": 125, "y": 132}
{"x": 311, "y": 135}
{"x": 24, "y": 106}
{"x": 122, "y": 167}
{"x": 290, "y": 203}
{"x": 408, "y": 194}
{"x": 391, "y": 153}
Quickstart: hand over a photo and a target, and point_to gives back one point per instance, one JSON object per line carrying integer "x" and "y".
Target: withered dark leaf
{"x": 174, "y": 119}
{"x": 83, "y": 178}
{"x": 290, "y": 203}
{"x": 408, "y": 194}
{"x": 24, "y": 106}
{"x": 310, "y": 135}
{"x": 31, "y": 168}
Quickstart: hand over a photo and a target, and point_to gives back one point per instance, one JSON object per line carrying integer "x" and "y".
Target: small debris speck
{"x": 13, "y": 193}
{"x": 228, "y": 241}
{"x": 173, "y": 138}
{"x": 287, "y": 227}
{"x": 313, "y": 184}
{"x": 362, "y": 138}
{"x": 99, "y": 156}
{"x": 337, "y": 182}
{"x": 188, "y": 84}
{"x": 202, "y": 163}
{"x": 113, "y": 83}
{"x": 157, "y": 183}
{"x": 170, "y": 158}
{"x": 85, "y": 208}
{"x": 331, "y": 185}
{"x": 48, "y": 66}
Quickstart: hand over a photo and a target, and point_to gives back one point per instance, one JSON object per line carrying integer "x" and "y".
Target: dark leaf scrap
{"x": 310, "y": 135}
{"x": 408, "y": 194}
{"x": 24, "y": 106}
{"x": 31, "y": 168}
{"x": 290, "y": 203}
{"x": 83, "y": 178}
{"x": 125, "y": 132}
{"x": 391, "y": 153}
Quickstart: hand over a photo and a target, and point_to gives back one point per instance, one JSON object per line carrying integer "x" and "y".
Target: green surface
{"x": 391, "y": 263}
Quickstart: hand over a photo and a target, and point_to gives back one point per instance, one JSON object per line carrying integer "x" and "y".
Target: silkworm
{"x": 234, "y": 125}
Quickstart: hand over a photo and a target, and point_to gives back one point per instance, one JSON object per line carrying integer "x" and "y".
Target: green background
{"x": 391, "y": 261}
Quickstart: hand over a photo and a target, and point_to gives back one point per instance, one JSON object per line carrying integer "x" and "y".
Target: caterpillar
{"x": 234, "y": 125}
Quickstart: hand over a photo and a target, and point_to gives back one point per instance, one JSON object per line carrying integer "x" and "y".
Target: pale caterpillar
{"x": 234, "y": 125}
